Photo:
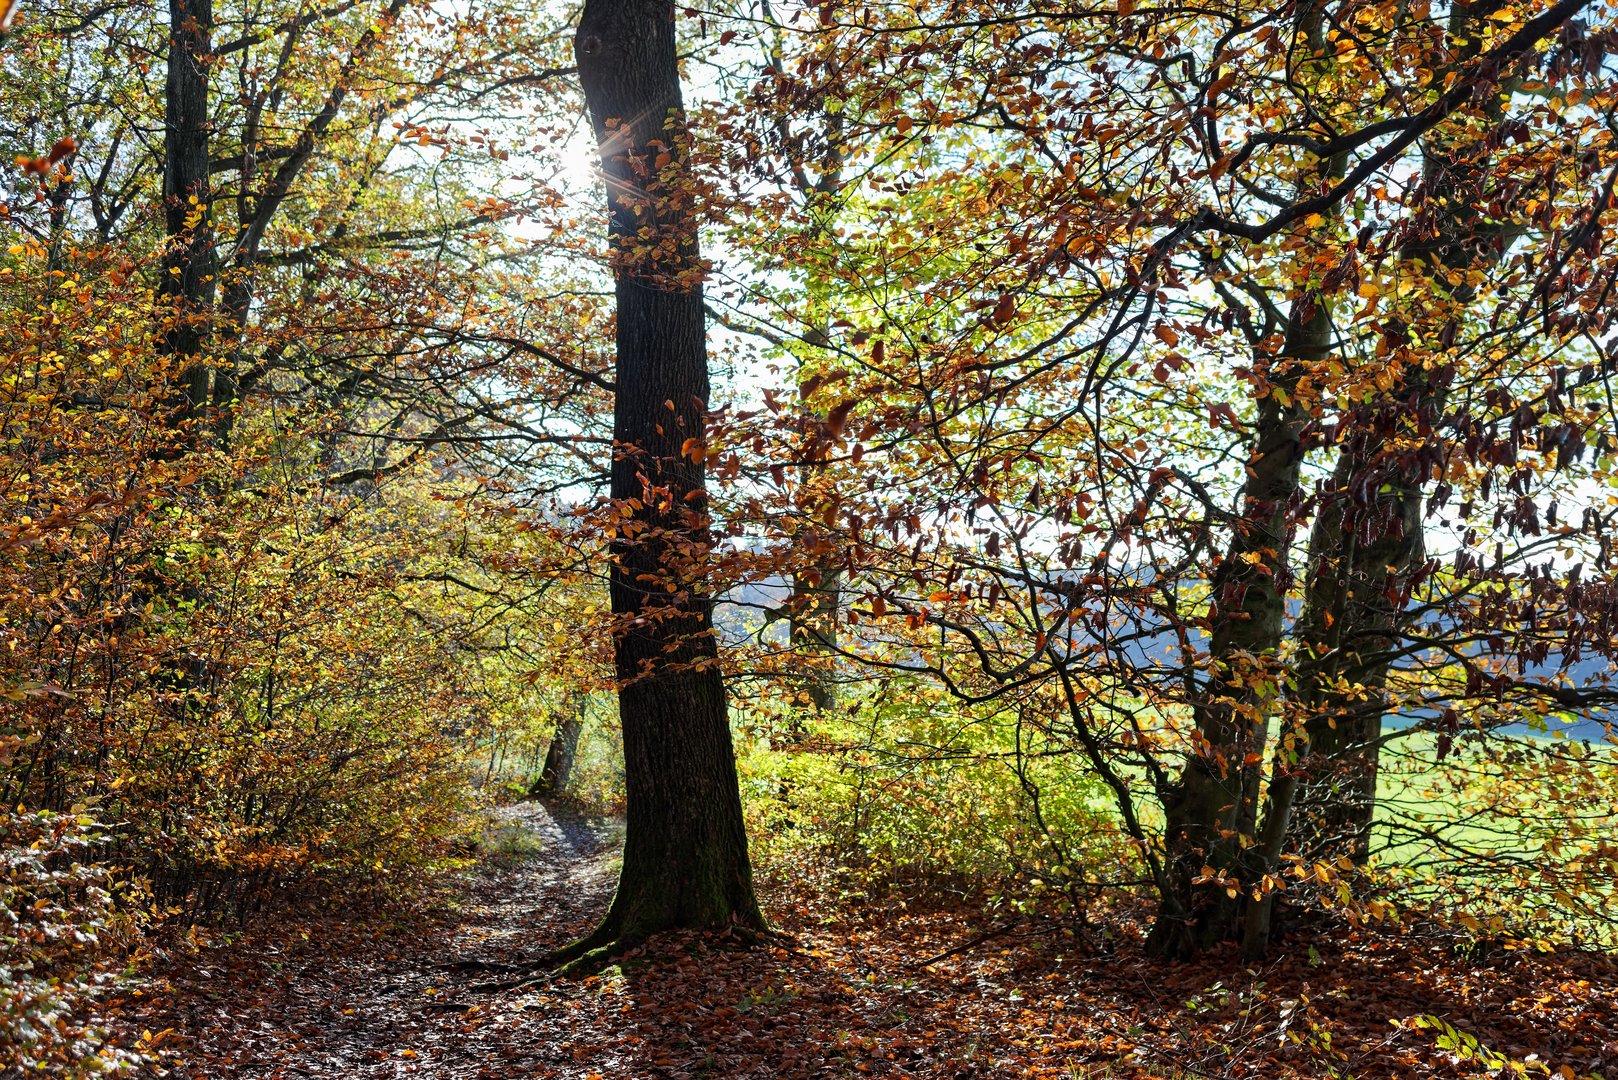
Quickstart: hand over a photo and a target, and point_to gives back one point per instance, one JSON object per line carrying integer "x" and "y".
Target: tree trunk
{"x": 685, "y": 860}
{"x": 557, "y": 771}
{"x": 1360, "y": 559}
{"x": 817, "y": 586}
{"x": 188, "y": 259}
{"x": 1214, "y": 804}
{"x": 1368, "y": 541}
{"x": 1211, "y": 815}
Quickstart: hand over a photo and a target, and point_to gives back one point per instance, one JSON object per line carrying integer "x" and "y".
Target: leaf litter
{"x": 894, "y": 987}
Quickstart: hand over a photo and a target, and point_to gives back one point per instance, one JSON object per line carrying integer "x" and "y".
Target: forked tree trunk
{"x": 1211, "y": 815}
{"x": 1214, "y": 805}
{"x": 1368, "y": 541}
{"x": 1326, "y": 785}
{"x": 685, "y": 860}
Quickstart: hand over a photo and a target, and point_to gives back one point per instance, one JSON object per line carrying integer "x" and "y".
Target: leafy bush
{"x": 258, "y": 674}
{"x": 905, "y": 787}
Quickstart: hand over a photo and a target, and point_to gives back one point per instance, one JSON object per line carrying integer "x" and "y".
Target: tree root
{"x": 592, "y": 961}
{"x": 532, "y": 973}
{"x": 459, "y": 967}
{"x": 966, "y": 946}
{"x": 449, "y": 1006}
{"x": 596, "y": 951}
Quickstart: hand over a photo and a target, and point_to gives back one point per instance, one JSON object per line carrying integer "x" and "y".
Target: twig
{"x": 972, "y": 943}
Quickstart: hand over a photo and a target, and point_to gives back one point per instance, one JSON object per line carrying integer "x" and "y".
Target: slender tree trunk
{"x": 1211, "y": 815}
{"x": 186, "y": 291}
{"x": 557, "y": 771}
{"x": 1368, "y": 542}
{"x": 1367, "y": 539}
{"x": 1360, "y": 558}
{"x": 685, "y": 860}
{"x": 817, "y": 586}
{"x": 188, "y": 262}
{"x": 1213, "y": 805}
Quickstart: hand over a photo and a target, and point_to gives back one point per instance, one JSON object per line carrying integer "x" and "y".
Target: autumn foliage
{"x": 1127, "y": 474}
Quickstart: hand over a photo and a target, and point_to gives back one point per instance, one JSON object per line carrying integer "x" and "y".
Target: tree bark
{"x": 1211, "y": 815}
{"x": 557, "y": 772}
{"x": 188, "y": 260}
{"x": 685, "y": 861}
{"x": 1214, "y": 804}
{"x": 1367, "y": 543}
{"x": 817, "y": 586}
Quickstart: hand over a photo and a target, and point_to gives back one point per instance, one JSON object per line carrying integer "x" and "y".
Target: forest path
{"x": 884, "y": 986}
{"x": 368, "y": 994}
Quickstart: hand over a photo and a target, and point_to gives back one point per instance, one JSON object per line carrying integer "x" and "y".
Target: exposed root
{"x": 596, "y": 952}
{"x": 530, "y": 974}
{"x": 602, "y": 936}
{"x": 966, "y": 946}
{"x": 461, "y": 967}
{"x": 593, "y": 961}
{"x": 449, "y": 1006}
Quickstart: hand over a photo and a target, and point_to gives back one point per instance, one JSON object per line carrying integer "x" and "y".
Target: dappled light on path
{"x": 855, "y": 986}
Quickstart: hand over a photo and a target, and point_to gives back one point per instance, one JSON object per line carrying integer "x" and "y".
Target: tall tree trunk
{"x": 186, "y": 291}
{"x": 685, "y": 860}
{"x": 557, "y": 771}
{"x": 188, "y": 259}
{"x": 1367, "y": 544}
{"x": 817, "y": 585}
{"x": 1362, "y": 548}
{"x": 817, "y": 582}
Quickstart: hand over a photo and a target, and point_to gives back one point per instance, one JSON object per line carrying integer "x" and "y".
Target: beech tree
{"x": 1127, "y": 282}
{"x": 189, "y": 280}
{"x": 685, "y": 861}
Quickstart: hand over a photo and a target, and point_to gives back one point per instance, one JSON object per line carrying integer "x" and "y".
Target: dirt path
{"x": 368, "y": 995}
{"x": 864, "y": 986}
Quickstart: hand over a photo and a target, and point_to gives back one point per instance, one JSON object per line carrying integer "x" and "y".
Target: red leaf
{"x": 1005, "y": 309}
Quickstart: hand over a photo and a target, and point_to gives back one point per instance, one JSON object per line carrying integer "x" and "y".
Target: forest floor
{"x": 854, "y": 988}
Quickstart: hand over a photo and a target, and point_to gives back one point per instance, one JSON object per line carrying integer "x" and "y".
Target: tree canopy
{"x": 1146, "y": 467}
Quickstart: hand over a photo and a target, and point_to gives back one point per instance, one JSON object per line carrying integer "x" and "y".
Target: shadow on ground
{"x": 395, "y": 992}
